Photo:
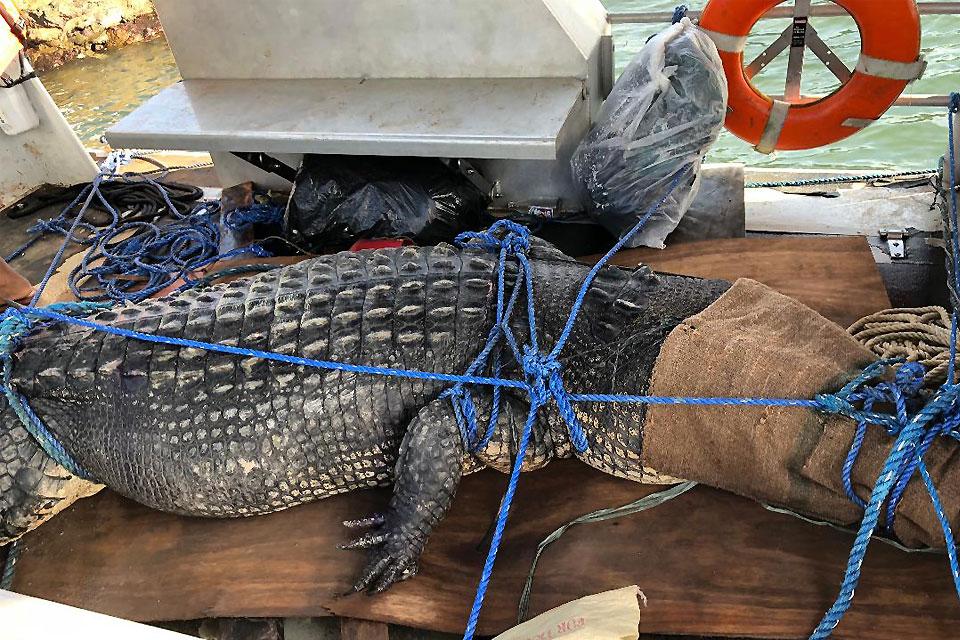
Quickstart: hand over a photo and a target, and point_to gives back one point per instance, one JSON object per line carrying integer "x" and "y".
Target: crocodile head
{"x": 33, "y": 487}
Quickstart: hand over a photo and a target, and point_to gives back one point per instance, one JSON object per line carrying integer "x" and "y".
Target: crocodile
{"x": 201, "y": 433}
{"x": 198, "y": 433}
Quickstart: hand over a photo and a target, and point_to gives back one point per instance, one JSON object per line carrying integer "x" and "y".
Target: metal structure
{"x": 46, "y": 151}
{"x": 816, "y": 11}
{"x": 800, "y": 13}
{"x": 510, "y": 85}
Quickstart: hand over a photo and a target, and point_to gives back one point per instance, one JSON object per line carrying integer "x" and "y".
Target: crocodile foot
{"x": 393, "y": 553}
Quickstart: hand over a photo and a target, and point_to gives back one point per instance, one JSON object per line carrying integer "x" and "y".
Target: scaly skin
{"x": 206, "y": 434}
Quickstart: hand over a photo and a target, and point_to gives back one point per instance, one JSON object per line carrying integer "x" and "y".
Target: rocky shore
{"x": 61, "y": 30}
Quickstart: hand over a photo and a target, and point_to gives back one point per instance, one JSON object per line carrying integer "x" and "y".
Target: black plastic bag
{"x": 337, "y": 200}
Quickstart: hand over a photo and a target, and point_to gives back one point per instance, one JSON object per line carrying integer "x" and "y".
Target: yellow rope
{"x": 918, "y": 335}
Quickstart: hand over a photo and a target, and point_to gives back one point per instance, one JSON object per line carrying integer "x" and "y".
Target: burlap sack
{"x": 755, "y": 342}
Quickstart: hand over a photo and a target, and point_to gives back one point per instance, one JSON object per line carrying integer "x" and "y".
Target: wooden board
{"x": 836, "y": 276}
{"x": 709, "y": 562}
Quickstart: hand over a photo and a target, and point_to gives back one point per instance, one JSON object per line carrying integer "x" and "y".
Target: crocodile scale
{"x": 207, "y": 434}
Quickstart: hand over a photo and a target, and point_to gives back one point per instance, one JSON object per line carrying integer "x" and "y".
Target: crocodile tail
{"x": 33, "y": 487}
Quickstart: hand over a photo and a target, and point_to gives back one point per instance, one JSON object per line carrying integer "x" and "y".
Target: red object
{"x": 890, "y": 35}
{"x": 381, "y": 243}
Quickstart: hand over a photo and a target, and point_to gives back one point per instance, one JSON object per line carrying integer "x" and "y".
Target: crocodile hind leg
{"x": 431, "y": 462}
{"x": 428, "y": 471}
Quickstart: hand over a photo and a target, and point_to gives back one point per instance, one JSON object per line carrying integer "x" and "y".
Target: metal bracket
{"x": 269, "y": 164}
{"x": 770, "y": 53}
{"x": 896, "y": 243}
{"x": 827, "y": 56}
{"x": 545, "y": 212}
{"x": 798, "y": 44}
{"x": 492, "y": 189}
{"x": 607, "y": 64}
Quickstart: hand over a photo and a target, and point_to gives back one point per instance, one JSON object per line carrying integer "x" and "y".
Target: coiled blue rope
{"x": 131, "y": 268}
{"x": 131, "y": 261}
{"x": 242, "y": 219}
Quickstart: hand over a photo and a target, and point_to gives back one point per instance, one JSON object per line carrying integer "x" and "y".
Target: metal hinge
{"x": 896, "y": 243}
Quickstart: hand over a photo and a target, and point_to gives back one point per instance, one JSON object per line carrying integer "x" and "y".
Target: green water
{"x": 97, "y": 91}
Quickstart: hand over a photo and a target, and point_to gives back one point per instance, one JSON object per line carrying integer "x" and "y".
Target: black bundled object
{"x": 337, "y": 200}
{"x": 665, "y": 111}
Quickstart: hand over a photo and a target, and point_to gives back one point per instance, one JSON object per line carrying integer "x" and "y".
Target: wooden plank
{"x": 710, "y": 563}
{"x": 353, "y": 629}
{"x": 836, "y": 276}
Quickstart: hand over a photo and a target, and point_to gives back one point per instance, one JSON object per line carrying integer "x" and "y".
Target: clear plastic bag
{"x": 664, "y": 113}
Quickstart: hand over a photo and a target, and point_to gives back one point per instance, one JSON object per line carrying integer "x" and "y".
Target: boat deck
{"x": 709, "y": 562}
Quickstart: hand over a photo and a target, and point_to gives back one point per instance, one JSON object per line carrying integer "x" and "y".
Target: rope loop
{"x": 955, "y": 102}
{"x": 503, "y": 234}
{"x": 466, "y": 413}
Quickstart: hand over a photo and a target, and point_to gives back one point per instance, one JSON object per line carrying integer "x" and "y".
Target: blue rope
{"x": 131, "y": 269}
{"x": 914, "y": 435}
{"x": 409, "y": 374}
{"x": 241, "y": 219}
{"x": 679, "y": 13}
{"x": 15, "y": 324}
{"x": 132, "y": 261}
{"x": 10, "y": 565}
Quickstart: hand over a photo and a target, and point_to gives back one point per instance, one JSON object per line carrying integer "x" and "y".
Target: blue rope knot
{"x": 45, "y": 226}
{"x": 14, "y": 325}
{"x": 545, "y": 382}
{"x": 503, "y": 234}
{"x": 955, "y": 102}
{"x": 940, "y": 417}
{"x": 539, "y": 370}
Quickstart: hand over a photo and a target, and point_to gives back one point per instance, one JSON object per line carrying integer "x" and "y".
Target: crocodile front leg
{"x": 427, "y": 474}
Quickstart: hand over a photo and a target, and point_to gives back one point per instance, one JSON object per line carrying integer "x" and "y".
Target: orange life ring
{"x": 889, "y": 60}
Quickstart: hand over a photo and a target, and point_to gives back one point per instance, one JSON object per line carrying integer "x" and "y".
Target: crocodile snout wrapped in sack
{"x": 199, "y": 433}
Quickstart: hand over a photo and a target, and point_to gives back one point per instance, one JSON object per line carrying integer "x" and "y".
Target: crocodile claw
{"x": 365, "y": 542}
{"x": 393, "y": 553}
{"x": 376, "y": 520}
{"x": 383, "y": 571}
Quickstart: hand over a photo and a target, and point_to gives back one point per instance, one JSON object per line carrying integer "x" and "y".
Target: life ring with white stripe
{"x": 889, "y": 60}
